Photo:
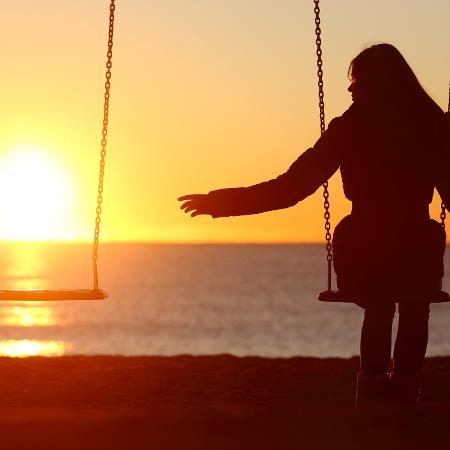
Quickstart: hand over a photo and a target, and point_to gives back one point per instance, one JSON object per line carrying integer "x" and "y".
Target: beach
{"x": 207, "y": 402}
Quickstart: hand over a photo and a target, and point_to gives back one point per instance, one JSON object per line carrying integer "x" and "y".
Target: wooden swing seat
{"x": 36, "y": 295}
{"x": 338, "y": 296}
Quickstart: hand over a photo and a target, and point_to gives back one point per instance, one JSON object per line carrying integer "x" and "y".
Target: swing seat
{"x": 342, "y": 297}
{"x": 25, "y": 295}
{"x": 80, "y": 294}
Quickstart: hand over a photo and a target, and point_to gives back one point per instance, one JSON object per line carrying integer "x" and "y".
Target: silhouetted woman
{"x": 392, "y": 147}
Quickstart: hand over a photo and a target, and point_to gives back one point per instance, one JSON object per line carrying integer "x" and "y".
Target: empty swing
{"x": 435, "y": 296}
{"x": 81, "y": 294}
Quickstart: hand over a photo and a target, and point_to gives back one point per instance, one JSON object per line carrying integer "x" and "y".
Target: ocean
{"x": 184, "y": 299}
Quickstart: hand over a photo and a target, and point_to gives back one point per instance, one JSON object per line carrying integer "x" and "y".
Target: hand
{"x": 198, "y": 203}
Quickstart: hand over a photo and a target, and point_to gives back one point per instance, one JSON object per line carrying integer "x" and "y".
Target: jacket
{"x": 390, "y": 164}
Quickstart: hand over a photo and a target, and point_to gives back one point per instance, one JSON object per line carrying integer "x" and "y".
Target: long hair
{"x": 387, "y": 79}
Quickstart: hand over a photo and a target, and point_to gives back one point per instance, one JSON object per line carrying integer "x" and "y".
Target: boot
{"x": 404, "y": 391}
{"x": 372, "y": 391}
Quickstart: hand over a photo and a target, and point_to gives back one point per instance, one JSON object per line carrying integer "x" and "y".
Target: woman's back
{"x": 392, "y": 160}
{"x": 398, "y": 139}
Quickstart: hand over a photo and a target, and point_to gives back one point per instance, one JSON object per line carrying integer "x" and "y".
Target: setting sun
{"x": 37, "y": 196}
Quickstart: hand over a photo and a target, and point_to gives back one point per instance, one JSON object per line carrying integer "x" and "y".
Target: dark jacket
{"x": 389, "y": 165}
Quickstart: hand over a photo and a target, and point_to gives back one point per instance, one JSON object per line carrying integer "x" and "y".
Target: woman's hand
{"x": 198, "y": 203}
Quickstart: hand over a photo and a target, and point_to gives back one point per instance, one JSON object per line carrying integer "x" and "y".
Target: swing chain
{"x": 326, "y": 194}
{"x": 443, "y": 209}
{"x": 319, "y": 66}
{"x": 103, "y": 142}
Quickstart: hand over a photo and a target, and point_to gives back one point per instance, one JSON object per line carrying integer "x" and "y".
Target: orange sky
{"x": 205, "y": 94}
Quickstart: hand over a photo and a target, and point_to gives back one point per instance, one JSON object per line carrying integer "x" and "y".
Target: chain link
{"x": 443, "y": 215}
{"x": 326, "y": 194}
{"x": 103, "y": 142}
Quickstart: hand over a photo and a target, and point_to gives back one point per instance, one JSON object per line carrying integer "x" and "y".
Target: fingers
{"x": 195, "y": 203}
{"x": 185, "y": 205}
{"x": 190, "y": 197}
{"x": 190, "y": 207}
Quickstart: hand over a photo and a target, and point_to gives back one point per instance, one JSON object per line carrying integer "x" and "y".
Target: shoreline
{"x": 211, "y": 402}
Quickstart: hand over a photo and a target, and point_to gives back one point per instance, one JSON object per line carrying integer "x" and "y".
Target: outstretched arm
{"x": 303, "y": 177}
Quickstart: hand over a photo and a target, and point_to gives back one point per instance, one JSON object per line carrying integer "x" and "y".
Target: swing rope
{"x": 103, "y": 142}
{"x": 326, "y": 194}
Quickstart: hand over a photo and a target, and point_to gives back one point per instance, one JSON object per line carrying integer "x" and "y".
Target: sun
{"x": 36, "y": 196}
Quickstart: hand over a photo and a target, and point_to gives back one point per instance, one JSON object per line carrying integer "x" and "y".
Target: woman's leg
{"x": 409, "y": 353}
{"x": 376, "y": 336}
{"x": 412, "y": 339}
{"x": 372, "y": 389}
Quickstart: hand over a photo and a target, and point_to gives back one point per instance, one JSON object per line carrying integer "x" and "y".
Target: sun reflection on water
{"x": 25, "y": 267}
{"x": 27, "y": 316}
{"x": 28, "y": 266}
{"x": 21, "y": 348}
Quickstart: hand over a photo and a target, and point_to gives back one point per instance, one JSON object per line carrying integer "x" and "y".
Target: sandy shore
{"x": 207, "y": 402}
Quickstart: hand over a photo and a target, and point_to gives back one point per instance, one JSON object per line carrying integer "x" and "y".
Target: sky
{"x": 205, "y": 94}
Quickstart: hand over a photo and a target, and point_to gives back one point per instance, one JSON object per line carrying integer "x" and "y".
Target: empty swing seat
{"x": 438, "y": 296}
{"x": 52, "y": 294}
{"x": 23, "y": 295}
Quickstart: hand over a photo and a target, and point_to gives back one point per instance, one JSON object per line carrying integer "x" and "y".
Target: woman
{"x": 392, "y": 148}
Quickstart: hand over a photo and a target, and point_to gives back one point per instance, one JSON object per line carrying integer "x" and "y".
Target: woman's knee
{"x": 380, "y": 311}
{"x": 414, "y": 309}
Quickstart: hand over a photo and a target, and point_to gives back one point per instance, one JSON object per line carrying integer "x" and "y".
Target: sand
{"x": 207, "y": 402}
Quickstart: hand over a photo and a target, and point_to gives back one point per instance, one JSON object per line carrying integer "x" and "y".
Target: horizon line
{"x": 158, "y": 242}
{"x": 161, "y": 242}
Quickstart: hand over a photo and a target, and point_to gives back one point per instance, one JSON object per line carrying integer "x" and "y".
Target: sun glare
{"x": 25, "y": 316}
{"x": 36, "y": 197}
{"x": 25, "y": 347}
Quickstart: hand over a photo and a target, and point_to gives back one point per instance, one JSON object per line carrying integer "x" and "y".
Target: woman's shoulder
{"x": 361, "y": 112}
{"x": 446, "y": 120}
{"x": 353, "y": 117}
{"x": 443, "y": 129}
{"x": 439, "y": 124}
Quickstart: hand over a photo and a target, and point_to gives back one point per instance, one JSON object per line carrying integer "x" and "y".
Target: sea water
{"x": 178, "y": 299}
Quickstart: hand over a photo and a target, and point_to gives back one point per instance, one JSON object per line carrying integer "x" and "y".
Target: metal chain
{"x": 443, "y": 209}
{"x": 326, "y": 194}
{"x": 98, "y": 210}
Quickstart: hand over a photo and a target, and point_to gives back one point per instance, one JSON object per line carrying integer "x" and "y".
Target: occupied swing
{"x": 437, "y": 296}
{"x": 81, "y": 294}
